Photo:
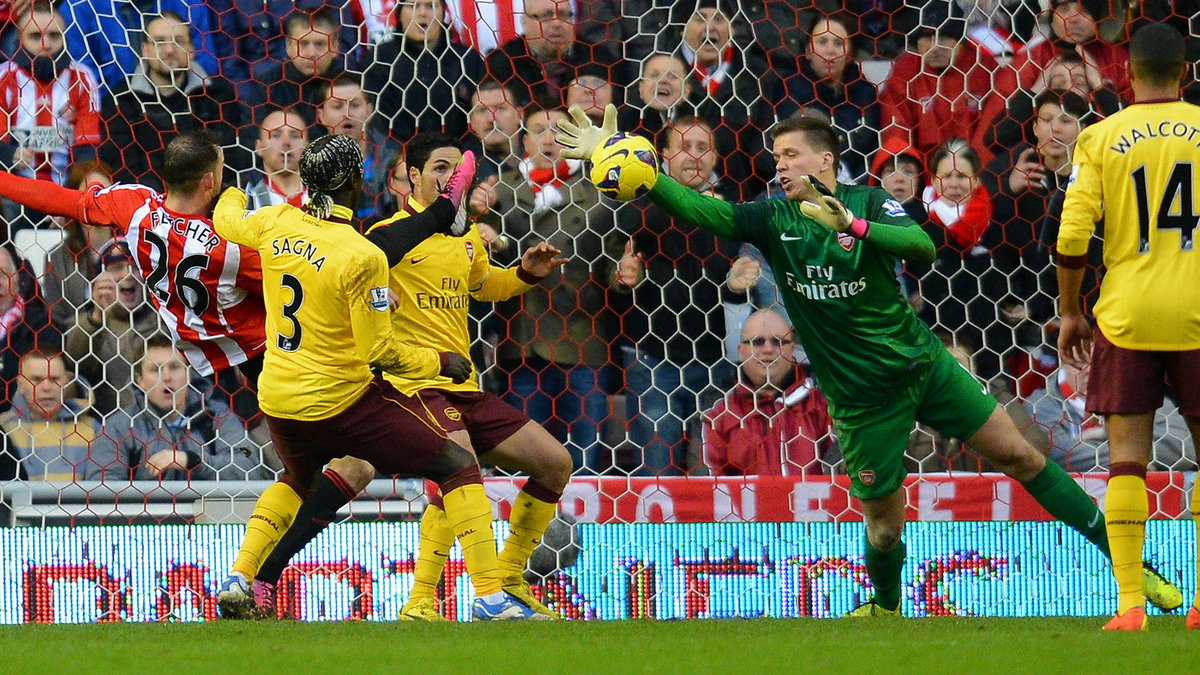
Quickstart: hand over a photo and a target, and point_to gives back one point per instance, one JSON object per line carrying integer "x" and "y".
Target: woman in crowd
{"x": 960, "y": 291}
{"x": 829, "y": 79}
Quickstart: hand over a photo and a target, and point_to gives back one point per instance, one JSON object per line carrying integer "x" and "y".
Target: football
{"x": 624, "y": 166}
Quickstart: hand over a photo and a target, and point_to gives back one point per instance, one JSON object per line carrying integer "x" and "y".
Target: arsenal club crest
{"x": 866, "y": 477}
{"x": 470, "y": 250}
{"x": 845, "y": 241}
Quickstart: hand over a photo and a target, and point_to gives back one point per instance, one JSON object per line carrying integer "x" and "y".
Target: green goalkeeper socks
{"x": 884, "y": 568}
{"x": 1062, "y": 498}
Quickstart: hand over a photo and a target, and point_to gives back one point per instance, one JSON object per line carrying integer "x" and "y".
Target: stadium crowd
{"x": 657, "y": 349}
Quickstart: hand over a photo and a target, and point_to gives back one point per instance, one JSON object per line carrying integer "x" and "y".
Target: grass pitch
{"x": 700, "y": 646}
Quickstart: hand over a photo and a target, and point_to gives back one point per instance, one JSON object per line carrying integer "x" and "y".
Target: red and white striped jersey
{"x": 208, "y": 291}
{"x": 379, "y": 17}
{"x": 482, "y": 24}
{"x": 51, "y": 118}
{"x": 486, "y": 24}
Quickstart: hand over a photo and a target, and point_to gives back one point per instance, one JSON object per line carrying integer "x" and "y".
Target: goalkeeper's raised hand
{"x": 580, "y": 138}
{"x": 828, "y": 210}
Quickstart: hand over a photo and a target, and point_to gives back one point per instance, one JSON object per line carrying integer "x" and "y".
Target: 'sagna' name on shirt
{"x": 304, "y": 249}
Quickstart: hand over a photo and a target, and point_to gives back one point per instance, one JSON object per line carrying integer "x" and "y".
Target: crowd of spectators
{"x": 655, "y": 350}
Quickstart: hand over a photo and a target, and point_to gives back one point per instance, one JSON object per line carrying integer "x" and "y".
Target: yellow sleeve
{"x": 489, "y": 283}
{"x": 233, "y": 223}
{"x": 366, "y": 291}
{"x": 1085, "y": 198}
{"x": 499, "y": 284}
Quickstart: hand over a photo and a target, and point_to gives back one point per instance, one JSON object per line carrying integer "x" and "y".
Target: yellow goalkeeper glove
{"x": 580, "y": 139}
{"x": 830, "y": 211}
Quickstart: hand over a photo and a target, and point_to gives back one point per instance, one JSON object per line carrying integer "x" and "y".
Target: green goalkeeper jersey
{"x": 862, "y": 338}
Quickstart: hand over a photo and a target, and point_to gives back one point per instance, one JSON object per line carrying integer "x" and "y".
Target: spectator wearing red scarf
{"x": 731, "y": 90}
{"x": 547, "y": 183}
{"x": 959, "y": 293}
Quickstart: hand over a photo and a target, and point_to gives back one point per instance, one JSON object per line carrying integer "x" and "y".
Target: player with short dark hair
{"x": 434, "y": 283}
{"x": 833, "y": 248}
{"x": 418, "y": 150}
{"x": 1136, "y": 169}
{"x": 205, "y": 290}
{"x": 328, "y": 326}
{"x": 187, "y": 158}
{"x": 818, "y": 134}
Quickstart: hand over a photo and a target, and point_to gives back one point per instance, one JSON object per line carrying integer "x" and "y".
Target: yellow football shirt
{"x": 435, "y": 282}
{"x": 325, "y": 290}
{"x": 1137, "y": 170}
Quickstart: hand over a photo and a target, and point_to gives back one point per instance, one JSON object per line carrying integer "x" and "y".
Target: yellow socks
{"x": 469, "y": 512}
{"x": 1126, "y": 511}
{"x": 530, "y": 517}
{"x": 1196, "y": 517}
{"x": 436, "y": 539}
{"x": 273, "y": 515}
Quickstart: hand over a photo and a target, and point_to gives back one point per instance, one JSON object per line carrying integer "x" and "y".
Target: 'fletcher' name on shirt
{"x": 192, "y": 228}
{"x": 1151, "y": 130}
{"x": 304, "y": 249}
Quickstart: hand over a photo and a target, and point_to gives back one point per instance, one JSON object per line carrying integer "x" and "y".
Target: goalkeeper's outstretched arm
{"x": 683, "y": 203}
{"x": 908, "y": 243}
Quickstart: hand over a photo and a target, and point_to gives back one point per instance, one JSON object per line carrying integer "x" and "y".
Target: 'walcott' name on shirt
{"x": 1151, "y": 130}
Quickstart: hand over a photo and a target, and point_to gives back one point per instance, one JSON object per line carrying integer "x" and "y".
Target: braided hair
{"x": 327, "y": 165}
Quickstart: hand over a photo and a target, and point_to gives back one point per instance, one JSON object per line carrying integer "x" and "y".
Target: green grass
{"x": 963, "y": 646}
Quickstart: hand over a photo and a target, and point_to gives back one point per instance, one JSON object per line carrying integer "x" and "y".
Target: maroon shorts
{"x": 1129, "y": 382}
{"x": 485, "y": 417}
{"x": 394, "y": 432}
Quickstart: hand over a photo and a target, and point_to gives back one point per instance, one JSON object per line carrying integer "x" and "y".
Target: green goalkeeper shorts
{"x": 873, "y": 440}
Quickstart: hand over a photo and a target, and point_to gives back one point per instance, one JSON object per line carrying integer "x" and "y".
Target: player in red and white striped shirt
{"x": 486, "y": 24}
{"x": 482, "y": 24}
{"x": 207, "y": 290}
{"x": 49, "y": 105}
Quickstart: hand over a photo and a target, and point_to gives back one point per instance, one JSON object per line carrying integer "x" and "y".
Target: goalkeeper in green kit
{"x": 833, "y": 249}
